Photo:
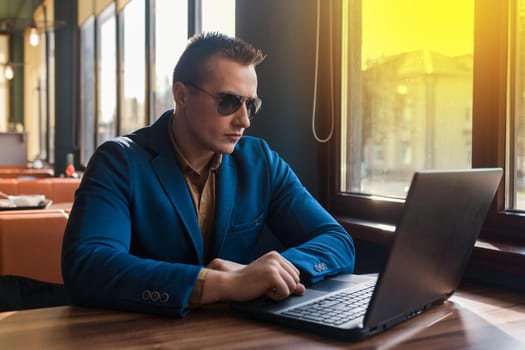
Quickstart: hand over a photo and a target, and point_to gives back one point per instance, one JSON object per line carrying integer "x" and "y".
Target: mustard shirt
{"x": 202, "y": 189}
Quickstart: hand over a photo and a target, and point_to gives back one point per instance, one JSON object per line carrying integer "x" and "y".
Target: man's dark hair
{"x": 201, "y": 47}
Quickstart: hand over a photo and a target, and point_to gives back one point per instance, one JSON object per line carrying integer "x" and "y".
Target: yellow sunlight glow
{"x": 394, "y": 26}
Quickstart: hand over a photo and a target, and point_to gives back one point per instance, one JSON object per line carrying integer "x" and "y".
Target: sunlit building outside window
{"x": 407, "y": 93}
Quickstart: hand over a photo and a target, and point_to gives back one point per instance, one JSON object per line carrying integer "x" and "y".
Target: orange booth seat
{"x": 15, "y": 166}
{"x": 13, "y": 172}
{"x": 57, "y": 189}
{"x": 31, "y": 244}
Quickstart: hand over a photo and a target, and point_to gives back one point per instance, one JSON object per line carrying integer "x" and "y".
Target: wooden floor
{"x": 475, "y": 318}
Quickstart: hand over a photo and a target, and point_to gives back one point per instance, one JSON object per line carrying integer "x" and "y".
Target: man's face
{"x": 211, "y": 131}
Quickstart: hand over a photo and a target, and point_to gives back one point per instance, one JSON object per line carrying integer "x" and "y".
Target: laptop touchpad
{"x": 330, "y": 285}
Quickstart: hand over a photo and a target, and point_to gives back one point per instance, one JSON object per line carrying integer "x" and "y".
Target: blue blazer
{"x": 133, "y": 241}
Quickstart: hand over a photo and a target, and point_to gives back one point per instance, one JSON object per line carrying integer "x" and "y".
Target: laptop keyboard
{"x": 336, "y": 309}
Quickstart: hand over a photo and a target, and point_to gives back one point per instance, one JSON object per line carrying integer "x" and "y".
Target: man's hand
{"x": 270, "y": 275}
{"x": 224, "y": 265}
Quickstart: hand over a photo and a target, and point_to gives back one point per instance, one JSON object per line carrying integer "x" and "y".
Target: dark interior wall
{"x": 285, "y": 31}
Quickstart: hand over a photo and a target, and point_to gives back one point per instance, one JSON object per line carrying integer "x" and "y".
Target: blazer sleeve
{"x": 316, "y": 243}
{"x": 97, "y": 265}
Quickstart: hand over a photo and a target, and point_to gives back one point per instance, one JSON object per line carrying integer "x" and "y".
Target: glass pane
{"x": 171, "y": 35}
{"x": 51, "y": 96}
{"x": 133, "y": 67}
{"x": 87, "y": 90}
{"x": 43, "y": 102}
{"x": 36, "y": 97}
{"x": 4, "y": 83}
{"x": 218, "y": 16}
{"x": 518, "y": 192}
{"x": 107, "y": 75}
{"x": 39, "y": 95}
{"x": 407, "y": 91}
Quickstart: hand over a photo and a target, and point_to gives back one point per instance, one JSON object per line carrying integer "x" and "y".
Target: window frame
{"x": 361, "y": 213}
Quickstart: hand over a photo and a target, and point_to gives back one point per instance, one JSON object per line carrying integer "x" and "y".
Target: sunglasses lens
{"x": 253, "y": 106}
{"x": 229, "y": 104}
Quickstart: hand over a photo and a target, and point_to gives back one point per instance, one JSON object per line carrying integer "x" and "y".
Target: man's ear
{"x": 179, "y": 93}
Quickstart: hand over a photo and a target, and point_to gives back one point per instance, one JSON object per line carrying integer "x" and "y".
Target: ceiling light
{"x": 9, "y": 72}
{"x": 34, "y": 38}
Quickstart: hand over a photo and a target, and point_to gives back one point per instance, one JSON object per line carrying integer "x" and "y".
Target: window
{"x": 447, "y": 95}
{"x": 106, "y": 75}
{"x": 127, "y": 60}
{"x": 171, "y": 35}
{"x": 409, "y": 92}
{"x": 218, "y": 16}
{"x": 50, "y": 56}
{"x": 516, "y": 164}
{"x": 133, "y": 66}
{"x": 87, "y": 89}
{"x": 4, "y": 83}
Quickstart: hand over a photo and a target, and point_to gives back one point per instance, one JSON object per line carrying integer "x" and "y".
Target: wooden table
{"x": 475, "y": 318}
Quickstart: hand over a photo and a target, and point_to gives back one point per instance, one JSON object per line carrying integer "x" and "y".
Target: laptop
{"x": 441, "y": 220}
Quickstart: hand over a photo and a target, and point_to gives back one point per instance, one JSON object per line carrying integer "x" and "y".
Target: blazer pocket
{"x": 241, "y": 241}
{"x": 248, "y": 225}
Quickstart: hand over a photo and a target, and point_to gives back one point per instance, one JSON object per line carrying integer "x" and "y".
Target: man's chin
{"x": 226, "y": 149}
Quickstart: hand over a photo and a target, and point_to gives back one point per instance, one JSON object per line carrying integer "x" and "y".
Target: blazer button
{"x": 164, "y": 297}
{"x": 155, "y": 296}
{"x": 146, "y": 295}
{"x": 320, "y": 267}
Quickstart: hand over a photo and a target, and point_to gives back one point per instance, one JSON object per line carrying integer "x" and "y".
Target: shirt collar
{"x": 213, "y": 164}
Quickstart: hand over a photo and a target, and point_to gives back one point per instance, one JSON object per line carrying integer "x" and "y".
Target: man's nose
{"x": 242, "y": 118}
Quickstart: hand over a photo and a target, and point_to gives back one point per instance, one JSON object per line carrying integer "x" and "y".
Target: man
{"x": 168, "y": 217}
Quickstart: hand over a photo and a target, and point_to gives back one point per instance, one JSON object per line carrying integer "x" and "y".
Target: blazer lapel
{"x": 172, "y": 180}
{"x": 226, "y": 189}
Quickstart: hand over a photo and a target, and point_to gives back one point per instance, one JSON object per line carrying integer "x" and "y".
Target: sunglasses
{"x": 230, "y": 103}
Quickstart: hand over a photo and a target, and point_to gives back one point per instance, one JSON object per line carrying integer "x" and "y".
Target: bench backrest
{"x": 31, "y": 244}
{"x": 58, "y": 189}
